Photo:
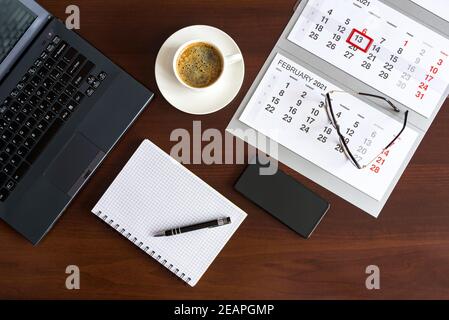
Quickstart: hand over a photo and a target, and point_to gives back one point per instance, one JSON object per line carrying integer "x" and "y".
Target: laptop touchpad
{"x": 74, "y": 164}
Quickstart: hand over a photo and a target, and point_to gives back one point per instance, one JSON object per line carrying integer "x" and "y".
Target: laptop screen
{"x": 15, "y": 20}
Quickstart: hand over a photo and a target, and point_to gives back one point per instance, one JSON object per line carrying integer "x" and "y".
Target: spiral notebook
{"x": 154, "y": 192}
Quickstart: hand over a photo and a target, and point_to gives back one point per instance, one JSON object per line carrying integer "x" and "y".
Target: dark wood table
{"x": 264, "y": 260}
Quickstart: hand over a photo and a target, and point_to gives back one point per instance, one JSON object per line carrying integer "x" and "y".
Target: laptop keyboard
{"x": 39, "y": 106}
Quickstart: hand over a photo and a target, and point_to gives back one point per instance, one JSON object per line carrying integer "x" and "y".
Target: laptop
{"x": 63, "y": 106}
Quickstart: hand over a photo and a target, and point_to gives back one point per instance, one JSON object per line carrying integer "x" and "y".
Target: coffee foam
{"x": 199, "y": 65}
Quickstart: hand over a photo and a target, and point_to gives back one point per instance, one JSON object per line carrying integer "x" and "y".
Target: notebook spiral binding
{"x": 140, "y": 245}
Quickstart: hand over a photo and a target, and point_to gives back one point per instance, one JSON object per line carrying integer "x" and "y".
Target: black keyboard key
{"x": 13, "y": 126}
{"x": 3, "y": 195}
{"x": 10, "y": 185}
{"x": 24, "y": 131}
{"x": 48, "y": 83}
{"x": 90, "y": 92}
{"x": 70, "y": 90}
{"x": 20, "y": 86}
{"x": 35, "y": 134}
{"x": 56, "y": 108}
{"x": 71, "y": 106}
{"x": 8, "y": 115}
{"x": 3, "y": 178}
{"x": 6, "y": 135}
{"x": 29, "y": 143}
{"x": 17, "y": 140}
{"x": 22, "y": 98}
{"x": 58, "y": 87}
{"x": 51, "y": 97}
{"x": 78, "y": 97}
{"x": 20, "y": 172}
{"x": 102, "y": 76}
{"x": 49, "y": 116}
{"x": 65, "y": 78}
{"x": 26, "y": 77}
{"x": 96, "y": 84}
{"x": 90, "y": 80}
{"x": 15, "y": 160}
{"x": 70, "y": 55}
{"x": 50, "y": 48}
{"x": 14, "y": 107}
{"x": 20, "y": 118}
{"x": 42, "y": 125}
{"x": 35, "y": 81}
{"x": 14, "y": 93}
{"x": 32, "y": 70}
{"x": 65, "y": 115}
{"x": 38, "y": 63}
{"x": 44, "y": 55}
{"x": 2, "y": 144}
{"x": 40, "y": 93}
{"x": 42, "y": 72}
{"x": 30, "y": 122}
{"x": 61, "y": 65}
{"x": 49, "y": 63}
{"x": 29, "y": 89}
{"x": 44, "y": 105}
{"x": 7, "y": 101}
{"x": 37, "y": 114}
{"x": 43, "y": 142}
{"x": 27, "y": 109}
{"x": 62, "y": 47}
{"x": 63, "y": 99}
{"x": 3, "y": 124}
{"x": 34, "y": 101}
{"x": 56, "y": 40}
{"x": 4, "y": 157}
{"x": 8, "y": 169}
{"x": 22, "y": 151}
{"x": 84, "y": 72}
{"x": 76, "y": 65}
{"x": 10, "y": 149}
{"x": 55, "y": 74}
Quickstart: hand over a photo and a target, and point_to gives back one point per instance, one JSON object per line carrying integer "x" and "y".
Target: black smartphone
{"x": 283, "y": 197}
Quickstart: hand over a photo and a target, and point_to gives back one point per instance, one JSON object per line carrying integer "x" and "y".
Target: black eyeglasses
{"x": 343, "y": 140}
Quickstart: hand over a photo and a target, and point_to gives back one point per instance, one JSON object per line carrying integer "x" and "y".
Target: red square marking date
{"x": 360, "y": 40}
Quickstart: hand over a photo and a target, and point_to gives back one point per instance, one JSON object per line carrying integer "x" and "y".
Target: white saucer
{"x": 185, "y": 99}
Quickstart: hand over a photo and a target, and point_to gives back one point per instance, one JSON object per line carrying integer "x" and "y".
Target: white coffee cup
{"x": 227, "y": 61}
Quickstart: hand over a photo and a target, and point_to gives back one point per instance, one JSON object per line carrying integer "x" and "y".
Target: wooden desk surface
{"x": 264, "y": 260}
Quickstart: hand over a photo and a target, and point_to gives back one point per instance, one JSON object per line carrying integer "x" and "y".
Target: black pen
{"x": 199, "y": 226}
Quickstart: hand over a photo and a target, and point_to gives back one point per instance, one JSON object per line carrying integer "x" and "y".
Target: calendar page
{"x": 288, "y": 106}
{"x": 379, "y": 46}
{"x": 437, "y": 7}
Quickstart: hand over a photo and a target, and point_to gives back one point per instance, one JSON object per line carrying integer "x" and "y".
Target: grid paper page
{"x": 153, "y": 193}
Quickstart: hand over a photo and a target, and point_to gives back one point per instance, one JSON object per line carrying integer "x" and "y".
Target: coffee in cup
{"x": 199, "y": 65}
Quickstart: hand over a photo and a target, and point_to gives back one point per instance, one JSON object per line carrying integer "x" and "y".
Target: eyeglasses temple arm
{"x": 400, "y": 132}
{"x": 331, "y": 109}
{"x": 380, "y": 97}
{"x": 342, "y": 138}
